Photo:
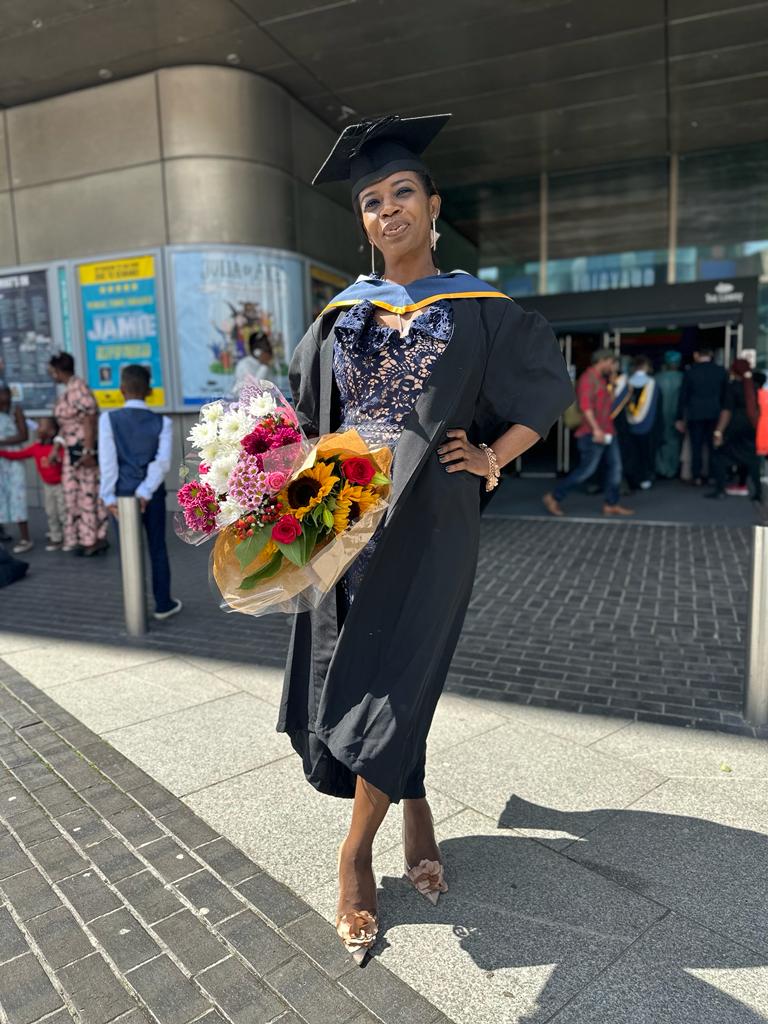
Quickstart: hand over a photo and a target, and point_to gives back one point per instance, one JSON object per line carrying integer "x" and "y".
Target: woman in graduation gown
{"x": 458, "y": 381}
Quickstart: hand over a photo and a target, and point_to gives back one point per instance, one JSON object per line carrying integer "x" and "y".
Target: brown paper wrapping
{"x": 293, "y": 588}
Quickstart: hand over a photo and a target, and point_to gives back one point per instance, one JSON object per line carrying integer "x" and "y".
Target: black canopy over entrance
{"x": 731, "y": 299}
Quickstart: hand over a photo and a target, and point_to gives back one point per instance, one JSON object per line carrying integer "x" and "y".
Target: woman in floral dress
{"x": 85, "y": 529}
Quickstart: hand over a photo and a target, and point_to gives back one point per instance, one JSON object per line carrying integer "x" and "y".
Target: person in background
{"x": 642, "y": 411}
{"x": 761, "y": 386}
{"x": 134, "y": 458}
{"x": 735, "y": 432}
{"x": 702, "y": 397}
{"x": 13, "y": 482}
{"x": 49, "y": 471}
{"x": 595, "y": 437}
{"x": 257, "y": 364}
{"x": 669, "y": 380}
{"x": 85, "y": 529}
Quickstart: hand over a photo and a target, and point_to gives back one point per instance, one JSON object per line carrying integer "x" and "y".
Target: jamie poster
{"x": 26, "y": 342}
{"x": 118, "y": 301}
{"x": 226, "y": 302}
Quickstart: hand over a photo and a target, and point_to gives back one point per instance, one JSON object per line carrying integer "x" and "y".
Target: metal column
{"x": 132, "y": 566}
{"x": 563, "y": 433}
{"x": 756, "y": 697}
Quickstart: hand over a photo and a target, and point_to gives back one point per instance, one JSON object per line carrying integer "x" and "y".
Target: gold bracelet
{"x": 494, "y": 474}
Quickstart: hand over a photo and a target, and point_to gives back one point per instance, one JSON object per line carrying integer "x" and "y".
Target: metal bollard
{"x": 132, "y": 563}
{"x": 756, "y": 700}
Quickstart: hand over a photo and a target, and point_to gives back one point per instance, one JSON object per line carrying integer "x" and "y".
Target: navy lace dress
{"x": 380, "y": 375}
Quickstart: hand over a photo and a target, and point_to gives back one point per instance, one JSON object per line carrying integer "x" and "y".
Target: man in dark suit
{"x": 702, "y": 396}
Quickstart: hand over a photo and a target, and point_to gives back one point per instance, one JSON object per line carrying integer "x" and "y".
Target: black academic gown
{"x": 359, "y": 694}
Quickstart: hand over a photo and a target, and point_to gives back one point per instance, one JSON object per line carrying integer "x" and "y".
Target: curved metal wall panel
{"x": 119, "y": 210}
{"x": 100, "y": 129}
{"x": 229, "y": 201}
{"x": 327, "y": 232}
{"x": 7, "y": 234}
{"x": 4, "y": 174}
{"x": 212, "y": 111}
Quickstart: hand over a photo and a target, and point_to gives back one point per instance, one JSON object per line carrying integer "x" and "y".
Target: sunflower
{"x": 343, "y": 509}
{"x": 309, "y": 489}
{"x": 360, "y": 500}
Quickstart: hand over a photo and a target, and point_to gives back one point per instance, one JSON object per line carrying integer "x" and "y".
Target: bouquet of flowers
{"x": 289, "y": 515}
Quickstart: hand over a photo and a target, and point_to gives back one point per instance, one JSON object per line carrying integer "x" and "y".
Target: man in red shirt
{"x": 595, "y": 437}
{"x": 49, "y": 471}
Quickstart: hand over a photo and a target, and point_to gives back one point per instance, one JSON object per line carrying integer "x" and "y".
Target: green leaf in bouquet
{"x": 328, "y": 518}
{"x": 293, "y": 551}
{"x": 266, "y": 572}
{"x": 380, "y": 480}
{"x": 249, "y": 548}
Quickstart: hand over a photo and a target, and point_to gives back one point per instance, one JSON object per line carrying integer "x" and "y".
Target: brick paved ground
{"x": 117, "y": 903}
{"x": 641, "y": 621}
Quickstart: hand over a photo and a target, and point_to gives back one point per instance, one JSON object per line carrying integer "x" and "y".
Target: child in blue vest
{"x": 134, "y": 458}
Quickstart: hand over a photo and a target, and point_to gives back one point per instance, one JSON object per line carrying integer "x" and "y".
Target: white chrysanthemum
{"x": 212, "y": 413}
{"x": 234, "y": 425}
{"x": 219, "y": 470}
{"x": 229, "y": 512}
{"x": 203, "y": 434}
{"x": 263, "y": 405}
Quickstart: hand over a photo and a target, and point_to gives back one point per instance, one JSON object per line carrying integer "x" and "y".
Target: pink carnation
{"x": 247, "y": 484}
{"x": 284, "y": 436}
{"x": 200, "y": 506}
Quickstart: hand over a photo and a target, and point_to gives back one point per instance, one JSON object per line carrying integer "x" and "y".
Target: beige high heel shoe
{"x": 357, "y": 930}
{"x": 427, "y": 877}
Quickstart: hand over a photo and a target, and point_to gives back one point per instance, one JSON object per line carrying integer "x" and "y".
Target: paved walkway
{"x": 120, "y": 904}
{"x": 622, "y": 619}
{"x": 600, "y": 869}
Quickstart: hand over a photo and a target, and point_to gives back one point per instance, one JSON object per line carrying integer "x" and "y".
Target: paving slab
{"x": 53, "y": 663}
{"x": 688, "y": 752}
{"x": 183, "y": 750}
{"x": 699, "y": 846}
{"x": 263, "y": 681}
{"x": 143, "y": 691}
{"x": 676, "y": 972}
{"x": 537, "y": 771}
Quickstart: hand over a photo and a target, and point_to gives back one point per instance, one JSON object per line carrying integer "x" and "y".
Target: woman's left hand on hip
{"x": 456, "y": 453}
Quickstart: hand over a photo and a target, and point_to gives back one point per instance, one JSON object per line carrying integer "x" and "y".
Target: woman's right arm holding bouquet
{"x": 304, "y": 377}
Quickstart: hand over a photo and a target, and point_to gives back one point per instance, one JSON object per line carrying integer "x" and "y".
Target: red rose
{"x": 358, "y": 471}
{"x": 286, "y": 530}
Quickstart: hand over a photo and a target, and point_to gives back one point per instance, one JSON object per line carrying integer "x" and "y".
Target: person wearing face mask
{"x": 642, "y": 415}
{"x": 595, "y": 437}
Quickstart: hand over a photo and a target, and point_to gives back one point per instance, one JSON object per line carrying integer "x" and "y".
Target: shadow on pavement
{"x": 620, "y": 915}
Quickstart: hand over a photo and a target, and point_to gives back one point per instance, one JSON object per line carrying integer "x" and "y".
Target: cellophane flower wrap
{"x": 289, "y": 515}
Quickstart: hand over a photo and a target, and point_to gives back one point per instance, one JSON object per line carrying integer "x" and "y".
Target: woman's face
{"x": 397, "y": 214}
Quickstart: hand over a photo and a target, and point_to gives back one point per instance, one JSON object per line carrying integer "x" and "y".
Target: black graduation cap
{"x": 372, "y": 150}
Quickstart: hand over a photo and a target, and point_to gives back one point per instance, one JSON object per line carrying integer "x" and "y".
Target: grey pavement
{"x": 600, "y": 869}
{"x": 626, "y": 619}
{"x": 604, "y": 867}
{"x": 118, "y": 903}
